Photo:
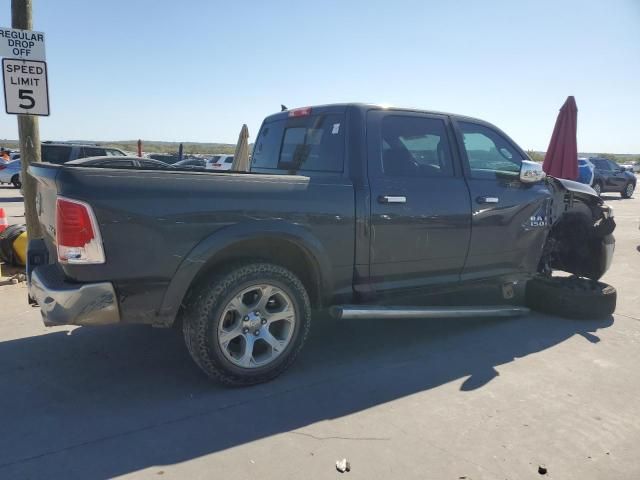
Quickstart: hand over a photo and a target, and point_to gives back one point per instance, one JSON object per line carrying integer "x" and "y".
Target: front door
{"x": 420, "y": 208}
{"x": 510, "y": 221}
{"x": 618, "y": 178}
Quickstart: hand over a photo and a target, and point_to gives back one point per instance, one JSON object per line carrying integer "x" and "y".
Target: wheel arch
{"x": 284, "y": 244}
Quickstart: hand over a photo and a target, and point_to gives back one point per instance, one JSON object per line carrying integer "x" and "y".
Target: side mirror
{"x": 531, "y": 172}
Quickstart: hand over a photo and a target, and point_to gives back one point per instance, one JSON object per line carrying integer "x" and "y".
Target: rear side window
{"x": 313, "y": 143}
{"x": 57, "y": 154}
{"x": 229, "y": 160}
{"x": 92, "y": 152}
{"x": 415, "y": 147}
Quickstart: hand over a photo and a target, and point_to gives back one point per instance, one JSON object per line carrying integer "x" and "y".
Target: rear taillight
{"x": 77, "y": 233}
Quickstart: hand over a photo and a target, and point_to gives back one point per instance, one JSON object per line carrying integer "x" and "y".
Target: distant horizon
{"x": 226, "y": 144}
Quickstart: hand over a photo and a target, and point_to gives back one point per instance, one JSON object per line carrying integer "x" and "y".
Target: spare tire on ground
{"x": 571, "y": 297}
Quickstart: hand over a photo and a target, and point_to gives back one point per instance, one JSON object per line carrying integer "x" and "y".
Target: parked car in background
{"x": 121, "y": 162}
{"x": 220, "y": 162}
{"x": 585, "y": 171}
{"x": 168, "y": 158}
{"x": 610, "y": 177}
{"x": 10, "y": 173}
{"x": 63, "y": 152}
{"x": 191, "y": 163}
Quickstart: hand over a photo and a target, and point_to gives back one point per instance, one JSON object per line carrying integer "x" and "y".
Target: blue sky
{"x": 196, "y": 70}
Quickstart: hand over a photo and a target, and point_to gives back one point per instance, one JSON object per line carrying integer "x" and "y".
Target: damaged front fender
{"x": 580, "y": 240}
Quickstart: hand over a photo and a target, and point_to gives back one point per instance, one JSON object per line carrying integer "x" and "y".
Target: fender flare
{"x": 201, "y": 256}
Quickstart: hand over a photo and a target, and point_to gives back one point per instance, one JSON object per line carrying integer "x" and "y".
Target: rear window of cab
{"x": 313, "y": 143}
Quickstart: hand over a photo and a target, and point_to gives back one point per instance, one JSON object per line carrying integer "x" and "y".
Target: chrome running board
{"x": 348, "y": 312}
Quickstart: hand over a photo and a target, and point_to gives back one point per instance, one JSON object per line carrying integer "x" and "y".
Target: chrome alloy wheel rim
{"x": 256, "y": 325}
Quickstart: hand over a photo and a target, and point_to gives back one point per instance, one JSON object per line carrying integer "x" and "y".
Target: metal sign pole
{"x": 28, "y": 130}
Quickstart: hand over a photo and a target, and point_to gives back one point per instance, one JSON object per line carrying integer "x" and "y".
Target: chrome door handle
{"x": 392, "y": 199}
{"x": 487, "y": 199}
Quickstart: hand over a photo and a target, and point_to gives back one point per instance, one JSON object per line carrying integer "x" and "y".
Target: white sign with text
{"x": 25, "y": 44}
{"x": 25, "y": 87}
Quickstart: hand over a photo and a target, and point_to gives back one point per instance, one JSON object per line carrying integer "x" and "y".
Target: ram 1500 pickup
{"x": 362, "y": 210}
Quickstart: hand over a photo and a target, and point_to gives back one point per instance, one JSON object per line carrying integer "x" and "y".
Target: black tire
{"x": 627, "y": 191}
{"x": 577, "y": 298}
{"x": 207, "y": 303}
{"x": 15, "y": 180}
{"x": 597, "y": 186}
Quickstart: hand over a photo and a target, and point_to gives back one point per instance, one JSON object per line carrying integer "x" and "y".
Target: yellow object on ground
{"x": 20, "y": 248}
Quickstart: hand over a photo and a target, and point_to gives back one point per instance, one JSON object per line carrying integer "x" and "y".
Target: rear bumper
{"x": 64, "y": 303}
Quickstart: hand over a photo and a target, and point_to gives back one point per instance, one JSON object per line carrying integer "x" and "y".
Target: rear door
{"x": 509, "y": 217}
{"x": 420, "y": 208}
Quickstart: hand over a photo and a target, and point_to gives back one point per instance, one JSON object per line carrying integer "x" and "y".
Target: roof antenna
{"x": 283, "y": 108}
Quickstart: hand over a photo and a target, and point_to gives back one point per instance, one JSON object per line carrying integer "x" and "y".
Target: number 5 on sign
{"x": 25, "y": 87}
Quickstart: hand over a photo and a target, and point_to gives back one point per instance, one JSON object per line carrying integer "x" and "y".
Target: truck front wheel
{"x": 246, "y": 325}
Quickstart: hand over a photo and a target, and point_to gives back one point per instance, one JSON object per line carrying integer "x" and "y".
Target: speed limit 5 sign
{"x": 25, "y": 87}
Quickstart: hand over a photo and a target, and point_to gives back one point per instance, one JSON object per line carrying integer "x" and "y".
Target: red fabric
{"x": 561, "y": 159}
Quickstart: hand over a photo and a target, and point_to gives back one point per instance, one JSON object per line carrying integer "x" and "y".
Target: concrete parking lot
{"x": 423, "y": 399}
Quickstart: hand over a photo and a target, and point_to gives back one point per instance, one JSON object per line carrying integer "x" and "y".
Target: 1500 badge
{"x": 538, "y": 221}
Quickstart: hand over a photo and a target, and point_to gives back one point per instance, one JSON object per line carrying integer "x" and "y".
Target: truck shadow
{"x": 97, "y": 403}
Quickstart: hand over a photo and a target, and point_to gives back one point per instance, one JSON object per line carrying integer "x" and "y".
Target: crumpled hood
{"x": 577, "y": 187}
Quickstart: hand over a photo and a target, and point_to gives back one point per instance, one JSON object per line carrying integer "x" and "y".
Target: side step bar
{"x": 348, "y": 312}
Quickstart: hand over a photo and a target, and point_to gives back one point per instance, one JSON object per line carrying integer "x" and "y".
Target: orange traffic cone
{"x": 3, "y": 220}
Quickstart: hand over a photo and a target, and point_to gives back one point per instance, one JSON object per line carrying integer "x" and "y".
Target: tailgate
{"x": 46, "y": 193}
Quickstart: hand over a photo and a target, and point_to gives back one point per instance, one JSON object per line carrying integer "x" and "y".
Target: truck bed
{"x": 153, "y": 223}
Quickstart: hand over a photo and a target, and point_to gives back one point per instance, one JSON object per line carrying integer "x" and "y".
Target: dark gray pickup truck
{"x": 366, "y": 211}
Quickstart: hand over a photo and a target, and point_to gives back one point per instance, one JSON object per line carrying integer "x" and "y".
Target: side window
{"x": 92, "y": 152}
{"x": 613, "y": 166}
{"x": 312, "y": 143}
{"x": 229, "y": 160}
{"x": 489, "y": 154}
{"x": 602, "y": 165}
{"x": 415, "y": 147}
{"x": 55, "y": 154}
{"x": 114, "y": 153}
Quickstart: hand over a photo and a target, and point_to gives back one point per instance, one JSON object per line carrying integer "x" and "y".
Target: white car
{"x": 219, "y": 162}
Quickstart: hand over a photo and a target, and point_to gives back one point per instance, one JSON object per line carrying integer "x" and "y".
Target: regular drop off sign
{"x": 24, "y": 44}
{"x": 25, "y": 87}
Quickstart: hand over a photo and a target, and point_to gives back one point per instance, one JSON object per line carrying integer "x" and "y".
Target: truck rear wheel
{"x": 247, "y": 325}
{"x": 571, "y": 297}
